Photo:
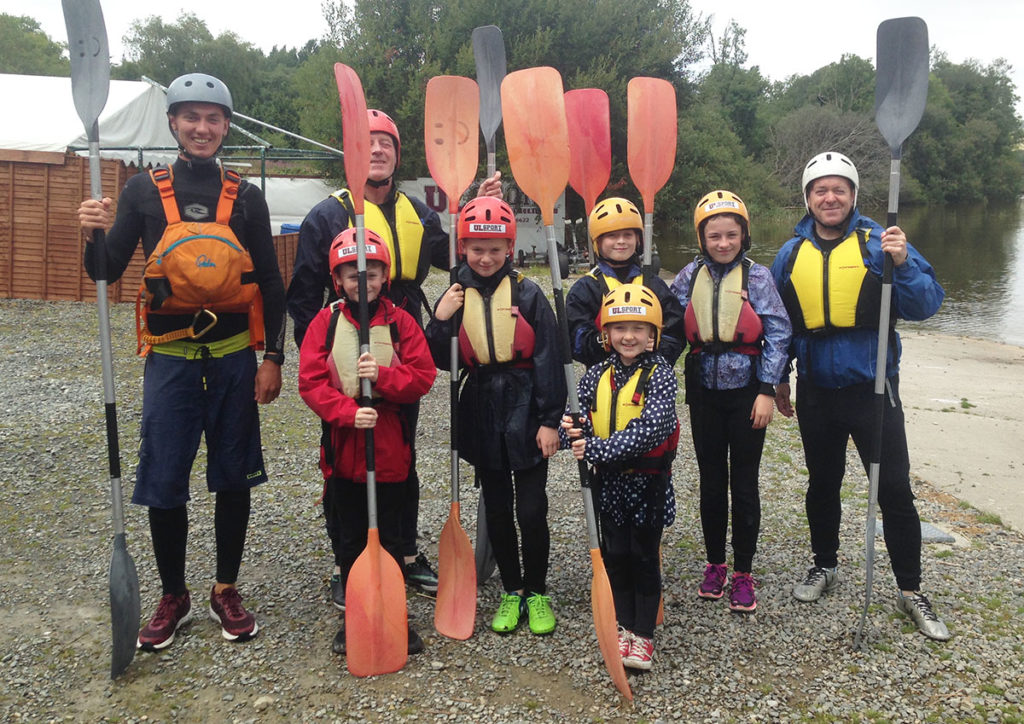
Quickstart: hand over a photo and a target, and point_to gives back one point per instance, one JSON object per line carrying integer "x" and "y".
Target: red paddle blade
{"x": 604, "y": 623}
{"x": 355, "y": 132}
{"x": 376, "y": 623}
{"x": 651, "y": 134}
{"x": 536, "y": 135}
{"x": 451, "y": 115}
{"x": 455, "y": 610}
{"x": 590, "y": 143}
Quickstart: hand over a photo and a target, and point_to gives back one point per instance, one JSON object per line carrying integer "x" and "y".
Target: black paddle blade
{"x": 489, "y": 53}
{"x": 125, "y": 608}
{"x": 90, "y": 60}
{"x": 901, "y": 87}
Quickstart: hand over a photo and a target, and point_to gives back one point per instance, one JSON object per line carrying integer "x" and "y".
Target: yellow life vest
{"x": 834, "y": 289}
{"x": 614, "y": 407}
{"x": 720, "y": 315}
{"x": 493, "y": 331}
{"x": 343, "y": 339}
{"x": 612, "y": 282}
{"x": 405, "y": 255}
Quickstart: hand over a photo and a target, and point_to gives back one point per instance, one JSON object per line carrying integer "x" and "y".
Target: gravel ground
{"x": 788, "y": 662}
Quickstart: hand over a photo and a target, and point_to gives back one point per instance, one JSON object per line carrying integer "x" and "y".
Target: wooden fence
{"x": 41, "y": 244}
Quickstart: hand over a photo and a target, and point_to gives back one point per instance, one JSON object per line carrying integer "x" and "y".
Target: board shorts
{"x": 183, "y": 399}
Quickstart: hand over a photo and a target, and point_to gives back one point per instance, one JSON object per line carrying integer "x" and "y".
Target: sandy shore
{"x": 964, "y": 403}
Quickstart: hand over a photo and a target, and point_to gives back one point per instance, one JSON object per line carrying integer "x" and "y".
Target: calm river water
{"x": 977, "y": 253}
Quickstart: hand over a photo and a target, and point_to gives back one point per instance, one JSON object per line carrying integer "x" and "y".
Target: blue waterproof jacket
{"x": 847, "y": 357}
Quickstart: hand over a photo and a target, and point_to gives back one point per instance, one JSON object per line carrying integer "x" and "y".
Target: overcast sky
{"x": 783, "y": 36}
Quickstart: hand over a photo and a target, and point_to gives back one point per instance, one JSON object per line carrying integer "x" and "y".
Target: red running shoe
{"x": 236, "y": 624}
{"x": 172, "y": 613}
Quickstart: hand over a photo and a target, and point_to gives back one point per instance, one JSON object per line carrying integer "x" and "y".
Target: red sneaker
{"x": 236, "y": 624}
{"x": 625, "y": 637}
{"x": 172, "y": 613}
{"x": 641, "y": 653}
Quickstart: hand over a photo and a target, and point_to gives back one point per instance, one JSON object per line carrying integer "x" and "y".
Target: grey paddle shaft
{"x": 365, "y": 388}
{"x": 453, "y": 369}
{"x": 570, "y": 380}
{"x": 901, "y": 92}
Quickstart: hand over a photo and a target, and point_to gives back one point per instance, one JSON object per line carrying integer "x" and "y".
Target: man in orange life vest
{"x": 201, "y": 376}
{"x": 415, "y": 241}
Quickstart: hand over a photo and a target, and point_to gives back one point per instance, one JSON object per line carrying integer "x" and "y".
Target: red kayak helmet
{"x": 380, "y": 122}
{"x": 486, "y": 217}
{"x": 343, "y": 251}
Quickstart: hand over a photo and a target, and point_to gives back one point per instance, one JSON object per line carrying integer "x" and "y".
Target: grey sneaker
{"x": 919, "y": 608}
{"x": 817, "y": 582}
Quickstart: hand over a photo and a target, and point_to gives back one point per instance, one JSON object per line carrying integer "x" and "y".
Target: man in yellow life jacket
{"x": 615, "y": 227}
{"x": 739, "y": 335}
{"x": 829, "y": 275}
{"x": 510, "y": 404}
{"x": 415, "y": 242}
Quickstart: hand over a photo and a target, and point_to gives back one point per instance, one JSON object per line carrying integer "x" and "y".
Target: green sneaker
{"x": 511, "y": 609}
{"x": 542, "y": 618}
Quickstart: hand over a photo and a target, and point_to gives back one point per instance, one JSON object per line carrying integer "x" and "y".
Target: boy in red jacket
{"x": 400, "y": 369}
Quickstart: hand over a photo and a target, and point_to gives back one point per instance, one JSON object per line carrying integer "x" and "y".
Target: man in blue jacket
{"x": 830, "y": 278}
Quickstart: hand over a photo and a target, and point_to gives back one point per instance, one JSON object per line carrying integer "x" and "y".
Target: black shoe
{"x": 337, "y": 592}
{"x": 415, "y": 642}
{"x": 421, "y": 575}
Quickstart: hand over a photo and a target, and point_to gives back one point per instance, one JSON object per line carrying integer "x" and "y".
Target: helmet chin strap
{"x": 378, "y": 184}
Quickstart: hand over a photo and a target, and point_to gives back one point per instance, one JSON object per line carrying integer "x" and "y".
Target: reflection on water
{"x": 977, "y": 253}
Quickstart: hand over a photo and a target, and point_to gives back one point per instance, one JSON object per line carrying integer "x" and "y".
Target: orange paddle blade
{"x": 376, "y": 623}
{"x": 590, "y": 143}
{"x": 605, "y": 623}
{"x": 451, "y": 115}
{"x": 536, "y": 135}
{"x": 355, "y": 132}
{"x": 455, "y": 610}
{"x": 651, "y": 135}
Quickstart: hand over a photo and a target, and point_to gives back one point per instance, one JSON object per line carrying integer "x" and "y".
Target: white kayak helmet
{"x": 830, "y": 163}
{"x": 199, "y": 88}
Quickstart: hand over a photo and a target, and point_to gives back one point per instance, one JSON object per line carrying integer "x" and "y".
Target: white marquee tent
{"x": 47, "y": 120}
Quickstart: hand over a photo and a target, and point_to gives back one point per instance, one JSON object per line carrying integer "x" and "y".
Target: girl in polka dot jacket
{"x": 629, "y": 436}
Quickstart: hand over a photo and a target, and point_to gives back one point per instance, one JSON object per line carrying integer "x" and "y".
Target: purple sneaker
{"x": 742, "y": 597}
{"x": 714, "y": 581}
{"x": 172, "y": 613}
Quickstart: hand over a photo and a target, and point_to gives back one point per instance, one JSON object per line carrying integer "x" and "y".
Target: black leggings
{"x": 729, "y": 457}
{"x": 631, "y": 558}
{"x": 169, "y": 530}
{"x": 828, "y": 419}
{"x": 520, "y": 496}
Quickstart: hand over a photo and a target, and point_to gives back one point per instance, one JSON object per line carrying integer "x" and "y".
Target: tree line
{"x": 737, "y": 129}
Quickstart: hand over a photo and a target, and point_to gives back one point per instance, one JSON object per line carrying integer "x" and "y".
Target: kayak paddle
{"x": 537, "y": 138}
{"x": 901, "y": 90}
{"x": 651, "y": 144}
{"x": 90, "y": 84}
{"x": 489, "y": 53}
{"x": 451, "y": 113}
{"x": 376, "y": 621}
